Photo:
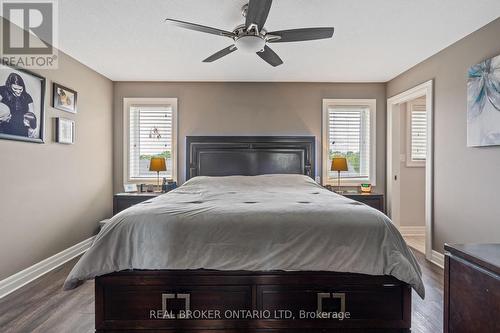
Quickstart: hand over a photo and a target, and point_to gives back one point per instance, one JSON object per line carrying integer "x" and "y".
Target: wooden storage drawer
{"x": 136, "y": 303}
{"x": 124, "y": 301}
{"x": 383, "y": 301}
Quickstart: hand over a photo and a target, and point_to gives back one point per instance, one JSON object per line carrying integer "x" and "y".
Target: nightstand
{"x": 123, "y": 201}
{"x": 375, "y": 200}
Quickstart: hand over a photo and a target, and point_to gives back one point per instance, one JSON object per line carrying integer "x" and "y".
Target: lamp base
{"x": 338, "y": 184}
{"x": 158, "y": 190}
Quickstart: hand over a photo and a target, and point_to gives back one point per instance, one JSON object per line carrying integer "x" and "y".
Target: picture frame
{"x": 130, "y": 188}
{"x": 64, "y": 98}
{"x": 65, "y": 131}
{"x": 22, "y": 104}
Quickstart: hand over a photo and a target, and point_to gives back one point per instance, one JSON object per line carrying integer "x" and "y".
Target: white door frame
{"x": 425, "y": 89}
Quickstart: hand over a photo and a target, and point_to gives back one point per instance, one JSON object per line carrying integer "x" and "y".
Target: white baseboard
{"x": 412, "y": 230}
{"x": 437, "y": 258}
{"x": 16, "y": 281}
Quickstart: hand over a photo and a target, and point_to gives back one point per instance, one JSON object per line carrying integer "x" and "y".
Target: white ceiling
{"x": 374, "y": 40}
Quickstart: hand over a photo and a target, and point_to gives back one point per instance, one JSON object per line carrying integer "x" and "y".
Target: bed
{"x": 250, "y": 243}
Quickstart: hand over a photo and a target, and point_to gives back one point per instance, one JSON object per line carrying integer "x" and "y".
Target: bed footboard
{"x": 216, "y": 301}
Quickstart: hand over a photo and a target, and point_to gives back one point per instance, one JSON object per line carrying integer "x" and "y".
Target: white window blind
{"x": 418, "y": 132}
{"x": 349, "y": 137}
{"x": 150, "y": 135}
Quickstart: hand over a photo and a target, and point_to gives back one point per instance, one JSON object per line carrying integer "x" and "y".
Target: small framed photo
{"x": 130, "y": 188}
{"x": 64, "y": 98}
{"x": 65, "y": 131}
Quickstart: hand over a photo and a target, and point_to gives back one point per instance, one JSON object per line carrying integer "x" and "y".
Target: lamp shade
{"x": 157, "y": 164}
{"x": 339, "y": 164}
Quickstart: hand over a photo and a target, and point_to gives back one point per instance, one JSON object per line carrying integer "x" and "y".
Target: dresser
{"x": 472, "y": 288}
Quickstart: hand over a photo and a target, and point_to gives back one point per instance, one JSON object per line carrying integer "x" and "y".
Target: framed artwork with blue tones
{"x": 483, "y": 104}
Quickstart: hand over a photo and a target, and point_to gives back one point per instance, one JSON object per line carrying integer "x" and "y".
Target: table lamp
{"x": 339, "y": 164}
{"x": 157, "y": 164}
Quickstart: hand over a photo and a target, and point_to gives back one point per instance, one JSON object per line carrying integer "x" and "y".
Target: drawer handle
{"x": 166, "y": 297}
{"x": 339, "y": 296}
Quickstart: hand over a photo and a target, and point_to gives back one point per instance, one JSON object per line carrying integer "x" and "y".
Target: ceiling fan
{"x": 253, "y": 37}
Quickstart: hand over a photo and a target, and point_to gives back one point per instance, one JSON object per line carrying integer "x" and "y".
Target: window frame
{"x": 410, "y": 162}
{"x": 158, "y": 102}
{"x": 371, "y": 104}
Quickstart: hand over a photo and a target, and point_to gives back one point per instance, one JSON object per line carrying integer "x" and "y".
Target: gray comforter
{"x": 259, "y": 223}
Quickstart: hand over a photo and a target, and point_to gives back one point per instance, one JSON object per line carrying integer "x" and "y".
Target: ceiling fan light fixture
{"x": 253, "y": 37}
{"x": 250, "y": 44}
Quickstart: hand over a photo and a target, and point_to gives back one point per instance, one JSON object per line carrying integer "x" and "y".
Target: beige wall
{"x": 53, "y": 195}
{"x": 467, "y": 180}
{"x": 412, "y": 182}
{"x": 248, "y": 109}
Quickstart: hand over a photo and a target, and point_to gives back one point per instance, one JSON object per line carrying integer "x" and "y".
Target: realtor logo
{"x": 29, "y": 33}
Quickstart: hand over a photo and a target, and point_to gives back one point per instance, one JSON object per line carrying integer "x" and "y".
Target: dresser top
{"x": 484, "y": 255}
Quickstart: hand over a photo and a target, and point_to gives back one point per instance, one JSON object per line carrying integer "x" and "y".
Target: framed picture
{"x": 22, "y": 115}
{"x": 64, "y": 98}
{"x": 130, "y": 188}
{"x": 483, "y": 104}
{"x": 65, "y": 131}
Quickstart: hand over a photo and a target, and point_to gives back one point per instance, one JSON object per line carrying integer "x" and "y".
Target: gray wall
{"x": 412, "y": 183}
{"x": 467, "y": 180}
{"x": 248, "y": 109}
{"x": 53, "y": 195}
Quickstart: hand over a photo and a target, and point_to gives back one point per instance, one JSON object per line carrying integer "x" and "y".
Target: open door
{"x": 395, "y": 157}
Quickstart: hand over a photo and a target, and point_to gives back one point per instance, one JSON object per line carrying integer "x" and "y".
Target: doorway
{"x": 409, "y": 165}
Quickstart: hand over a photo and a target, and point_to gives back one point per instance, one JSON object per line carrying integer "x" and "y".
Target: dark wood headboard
{"x": 249, "y": 155}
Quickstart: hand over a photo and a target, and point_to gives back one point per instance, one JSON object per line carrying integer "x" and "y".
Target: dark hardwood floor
{"x": 42, "y": 306}
{"x": 427, "y": 314}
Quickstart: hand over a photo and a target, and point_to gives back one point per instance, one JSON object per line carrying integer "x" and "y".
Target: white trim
{"x": 372, "y": 105}
{"x": 394, "y": 205}
{"x": 437, "y": 259}
{"x": 20, "y": 279}
{"x": 425, "y": 89}
{"x": 127, "y": 103}
{"x": 412, "y": 230}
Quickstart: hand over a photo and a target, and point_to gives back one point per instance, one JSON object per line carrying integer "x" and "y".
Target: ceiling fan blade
{"x": 257, "y": 12}
{"x": 269, "y": 56}
{"x": 221, "y": 53}
{"x": 201, "y": 28}
{"x": 299, "y": 35}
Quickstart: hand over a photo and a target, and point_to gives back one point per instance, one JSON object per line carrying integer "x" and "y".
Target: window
{"x": 150, "y": 131}
{"x": 349, "y": 131}
{"x": 416, "y": 150}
